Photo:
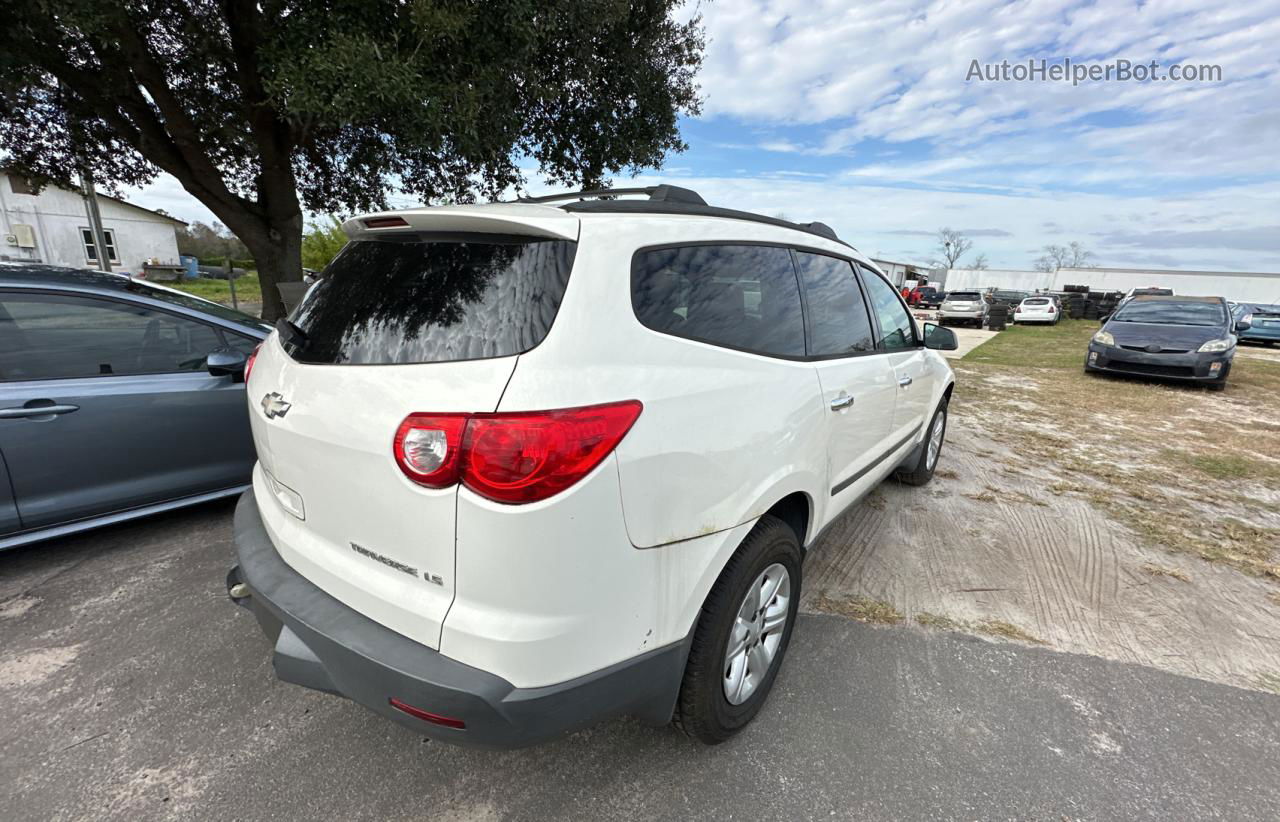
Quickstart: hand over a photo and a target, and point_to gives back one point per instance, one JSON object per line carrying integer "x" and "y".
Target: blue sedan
{"x": 118, "y": 399}
{"x": 1261, "y": 323}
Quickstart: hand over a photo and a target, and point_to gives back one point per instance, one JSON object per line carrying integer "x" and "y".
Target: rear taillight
{"x": 428, "y": 448}
{"x": 511, "y": 457}
{"x": 248, "y": 363}
{"x": 1050, "y": 309}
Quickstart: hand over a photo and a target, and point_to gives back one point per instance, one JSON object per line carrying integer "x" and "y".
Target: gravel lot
{"x": 133, "y": 690}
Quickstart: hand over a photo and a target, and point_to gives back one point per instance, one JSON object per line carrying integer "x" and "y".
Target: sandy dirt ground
{"x": 1013, "y": 541}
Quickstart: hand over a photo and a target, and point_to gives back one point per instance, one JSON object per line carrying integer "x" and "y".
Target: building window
{"x": 20, "y": 185}
{"x": 90, "y": 252}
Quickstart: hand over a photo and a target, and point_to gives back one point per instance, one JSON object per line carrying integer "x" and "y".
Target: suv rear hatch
{"x": 406, "y": 319}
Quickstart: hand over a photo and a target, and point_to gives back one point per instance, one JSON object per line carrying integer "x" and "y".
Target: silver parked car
{"x": 964, "y": 306}
{"x": 118, "y": 399}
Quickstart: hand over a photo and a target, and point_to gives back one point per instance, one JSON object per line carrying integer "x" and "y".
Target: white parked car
{"x": 525, "y": 466}
{"x": 1045, "y": 309}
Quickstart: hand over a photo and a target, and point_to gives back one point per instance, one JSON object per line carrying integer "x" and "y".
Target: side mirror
{"x": 1103, "y": 319}
{"x": 939, "y": 338}
{"x": 226, "y": 362}
{"x": 1244, "y": 323}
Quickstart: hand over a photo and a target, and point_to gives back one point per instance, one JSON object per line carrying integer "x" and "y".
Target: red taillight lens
{"x": 511, "y": 457}
{"x": 527, "y": 457}
{"x": 427, "y": 716}
{"x": 248, "y": 363}
{"x": 1050, "y": 309}
{"x": 428, "y": 448}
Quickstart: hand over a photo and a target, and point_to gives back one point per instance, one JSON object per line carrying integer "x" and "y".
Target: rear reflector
{"x": 385, "y": 222}
{"x": 426, "y": 716}
{"x": 511, "y": 457}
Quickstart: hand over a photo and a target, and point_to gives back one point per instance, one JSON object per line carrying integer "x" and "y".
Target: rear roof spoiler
{"x": 518, "y": 219}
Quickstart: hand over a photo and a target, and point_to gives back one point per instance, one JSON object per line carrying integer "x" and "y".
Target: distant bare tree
{"x": 1074, "y": 255}
{"x": 979, "y": 263}
{"x": 952, "y": 245}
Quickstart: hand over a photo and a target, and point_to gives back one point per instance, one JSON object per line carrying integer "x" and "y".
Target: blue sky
{"x": 860, "y": 115}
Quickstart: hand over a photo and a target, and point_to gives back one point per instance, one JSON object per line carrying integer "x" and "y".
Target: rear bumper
{"x": 1260, "y": 335}
{"x": 1034, "y": 318}
{"x": 322, "y": 644}
{"x": 1192, "y": 366}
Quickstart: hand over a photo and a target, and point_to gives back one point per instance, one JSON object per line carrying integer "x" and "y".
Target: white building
{"x": 902, "y": 273}
{"x": 1237, "y": 286}
{"x": 53, "y": 227}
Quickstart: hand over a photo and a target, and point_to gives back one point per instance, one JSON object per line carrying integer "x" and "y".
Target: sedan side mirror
{"x": 226, "y": 362}
{"x": 939, "y": 338}
{"x": 1244, "y": 323}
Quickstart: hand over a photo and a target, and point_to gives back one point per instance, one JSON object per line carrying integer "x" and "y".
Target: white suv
{"x": 526, "y": 466}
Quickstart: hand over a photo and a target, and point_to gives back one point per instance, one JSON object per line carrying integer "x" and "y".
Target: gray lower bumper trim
{"x": 321, "y": 643}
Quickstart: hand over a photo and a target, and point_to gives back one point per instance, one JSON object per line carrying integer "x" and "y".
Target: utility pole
{"x": 95, "y": 219}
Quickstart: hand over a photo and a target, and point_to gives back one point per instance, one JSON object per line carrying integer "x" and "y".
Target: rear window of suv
{"x": 384, "y": 302}
{"x": 963, "y": 296}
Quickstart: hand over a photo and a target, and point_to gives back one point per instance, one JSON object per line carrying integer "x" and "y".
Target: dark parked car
{"x": 117, "y": 399}
{"x": 1262, "y": 322}
{"x": 1185, "y": 338}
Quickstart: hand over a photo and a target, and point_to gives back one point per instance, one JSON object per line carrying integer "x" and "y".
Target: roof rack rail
{"x": 821, "y": 229}
{"x": 657, "y": 194}
{"x": 668, "y": 199}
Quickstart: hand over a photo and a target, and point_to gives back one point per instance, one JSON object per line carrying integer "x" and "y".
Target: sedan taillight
{"x": 511, "y": 457}
{"x": 248, "y": 363}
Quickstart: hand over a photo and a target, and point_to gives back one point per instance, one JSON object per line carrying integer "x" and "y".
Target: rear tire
{"x": 704, "y": 709}
{"x": 922, "y": 470}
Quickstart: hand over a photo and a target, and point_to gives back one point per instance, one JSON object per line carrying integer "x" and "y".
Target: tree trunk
{"x": 278, "y": 254}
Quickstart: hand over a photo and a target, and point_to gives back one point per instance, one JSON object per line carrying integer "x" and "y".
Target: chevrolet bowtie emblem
{"x": 274, "y": 405}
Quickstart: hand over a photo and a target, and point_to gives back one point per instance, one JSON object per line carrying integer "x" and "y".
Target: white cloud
{"x": 895, "y": 71}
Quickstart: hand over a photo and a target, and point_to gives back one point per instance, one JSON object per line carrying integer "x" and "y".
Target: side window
{"x": 740, "y": 296}
{"x": 897, "y": 329}
{"x": 48, "y": 336}
{"x": 838, "y": 320}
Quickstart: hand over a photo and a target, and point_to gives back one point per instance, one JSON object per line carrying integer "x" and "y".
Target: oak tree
{"x": 266, "y": 109}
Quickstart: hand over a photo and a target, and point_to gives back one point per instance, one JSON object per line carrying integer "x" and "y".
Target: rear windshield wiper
{"x": 291, "y": 334}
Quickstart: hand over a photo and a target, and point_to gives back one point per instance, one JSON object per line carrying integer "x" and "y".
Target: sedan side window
{"x": 838, "y": 321}
{"x": 55, "y": 336}
{"x": 897, "y": 329}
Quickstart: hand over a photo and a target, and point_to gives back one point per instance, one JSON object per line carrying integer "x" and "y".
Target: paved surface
{"x": 130, "y": 688}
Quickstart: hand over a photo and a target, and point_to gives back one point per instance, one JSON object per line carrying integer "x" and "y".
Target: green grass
{"x": 1229, "y": 466}
{"x": 1036, "y": 346}
{"x": 248, "y": 290}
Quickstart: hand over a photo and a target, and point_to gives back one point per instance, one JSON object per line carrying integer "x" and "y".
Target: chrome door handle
{"x": 18, "y": 412}
{"x": 842, "y": 401}
{"x": 904, "y": 381}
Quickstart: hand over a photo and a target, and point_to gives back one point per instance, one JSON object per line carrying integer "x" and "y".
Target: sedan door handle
{"x": 841, "y": 402}
{"x": 31, "y": 410}
{"x": 904, "y": 381}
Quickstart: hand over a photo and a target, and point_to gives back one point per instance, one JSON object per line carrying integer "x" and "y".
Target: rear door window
{"x": 838, "y": 321}
{"x": 737, "y": 296}
{"x": 418, "y": 300}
